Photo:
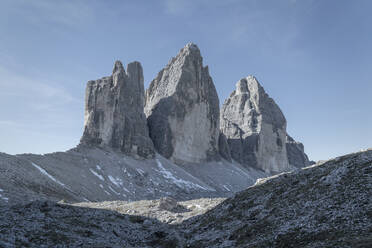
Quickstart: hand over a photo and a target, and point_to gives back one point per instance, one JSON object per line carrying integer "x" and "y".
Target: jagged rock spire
{"x": 114, "y": 114}
{"x": 255, "y": 127}
{"x": 182, "y": 107}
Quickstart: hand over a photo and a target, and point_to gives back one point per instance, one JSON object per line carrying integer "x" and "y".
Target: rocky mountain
{"x": 255, "y": 130}
{"x": 114, "y": 114}
{"x": 154, "y": 168}
{"x": 182, "y": 108}
{"x": 165, "y": 143}
{"x": 325, "y": 205}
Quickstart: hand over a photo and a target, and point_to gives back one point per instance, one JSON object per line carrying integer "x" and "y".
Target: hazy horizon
{"x": 312, "y": 57}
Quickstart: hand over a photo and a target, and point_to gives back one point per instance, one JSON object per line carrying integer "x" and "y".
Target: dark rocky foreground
{"x": 325, "y": 205}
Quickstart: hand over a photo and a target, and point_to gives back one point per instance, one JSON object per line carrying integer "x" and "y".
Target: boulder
{"x": 114, "y": 115}
{"x": 182, "y": 109}
{"x": 255, "y": 128}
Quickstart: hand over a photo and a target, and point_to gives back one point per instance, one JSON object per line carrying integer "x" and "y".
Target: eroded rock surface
{"x": 255, "y": 128}
{"x": 324, "y": 205}
{"x": 114, "y": 114}
{"x": 295, "y": 153}
{"x": 182, "y": 108}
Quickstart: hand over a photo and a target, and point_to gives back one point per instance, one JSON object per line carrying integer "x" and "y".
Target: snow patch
{"x": 117, "y": 181}
{"x": 226, "y": 188}
{"x": 126, "y": 172}
{"x": 4, "y": 198}
{"x": 97, "y": 175}
{"x": 179, "y": 182}
{"x": 113, "y": 190}
{"x": 48, "y": 175}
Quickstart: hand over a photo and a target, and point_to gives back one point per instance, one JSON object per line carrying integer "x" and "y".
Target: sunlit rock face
{"x": 255, "y": 128}
{"x": 114, "y": 114}
{"x": 182, "y": 109}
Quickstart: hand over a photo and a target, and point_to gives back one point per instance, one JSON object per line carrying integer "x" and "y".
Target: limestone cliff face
{"x": 295, "y": 153}
{"x": 255, "y": 128}
{"x": 182, "y": 109}
{"x": 114, "y": 114}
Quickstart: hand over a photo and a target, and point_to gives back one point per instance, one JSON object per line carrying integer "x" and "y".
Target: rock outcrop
{"x": 182, "y": 109}
{"x": 326, "y": 205}
{"x": 114, "y": 114}
{"x": 255, "y": 128}
{"x": 295, "y": 153}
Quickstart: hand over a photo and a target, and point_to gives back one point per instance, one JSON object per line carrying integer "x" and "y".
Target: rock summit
{"x": 114, "y": 114}
{"x": 182, "y": 108}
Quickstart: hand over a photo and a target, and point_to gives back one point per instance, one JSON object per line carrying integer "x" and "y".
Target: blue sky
{"x": 312, "y": 57}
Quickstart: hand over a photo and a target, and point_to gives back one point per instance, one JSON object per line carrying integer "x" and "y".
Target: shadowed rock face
{"x": 182, "y": 109}
{"x": 325, "y": 205}
{"x": 295, "y": 153}
{"x": 255, "y": 127}
{"x": 114, "y": 114}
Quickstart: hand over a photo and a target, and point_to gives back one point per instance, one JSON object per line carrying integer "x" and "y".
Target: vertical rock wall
{"x": 255, "y": 128}
{"x": 182, "y": 108}
{"x": 184, "y": 123}
{"x": 295, "y": 153}
{"x": 114, "y": 114}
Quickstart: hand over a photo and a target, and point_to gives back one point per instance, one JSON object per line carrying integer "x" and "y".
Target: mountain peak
{"x": 190, "y": 49}
{"x": 182, "y": 107}
{"x": 192, "y": 46}
{"x": 118, "y": 67}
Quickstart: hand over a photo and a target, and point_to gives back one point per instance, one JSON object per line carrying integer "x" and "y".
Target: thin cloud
{"x": 13, "y": 84}
{"x": 64, "y": 13}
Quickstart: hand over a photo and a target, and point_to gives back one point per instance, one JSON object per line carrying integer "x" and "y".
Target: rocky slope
{"x": 97, "y": 174}
{"x": 324, "y": 205}
{"x": 255, "y": 129}
{"x": 182, "y": 108}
